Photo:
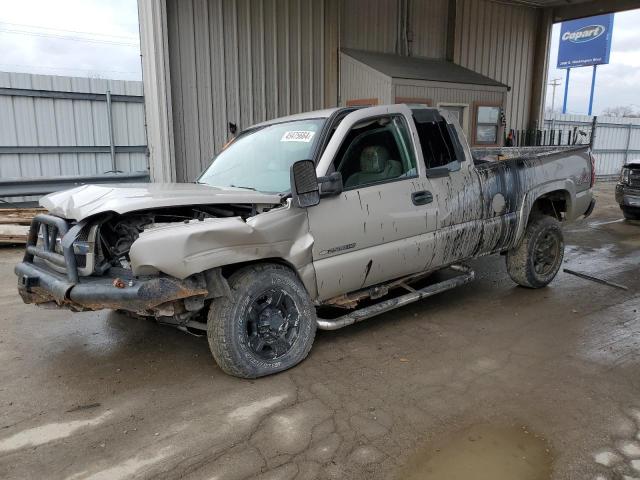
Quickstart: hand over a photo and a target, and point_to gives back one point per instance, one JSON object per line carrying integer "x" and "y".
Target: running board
{"x": 466, "y": 276}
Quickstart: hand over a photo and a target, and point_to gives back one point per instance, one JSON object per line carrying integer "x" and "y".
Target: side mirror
{"x": 305, "y": 191}
{"x": 331, "y": 185}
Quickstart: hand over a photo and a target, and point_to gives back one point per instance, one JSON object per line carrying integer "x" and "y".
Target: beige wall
{"x": 373, "y": 25}
{"x": 491, "y": 38}
{"x": 210, "y": 62}
{"x": 245, "y": 61}
{"x": 359, "y": 81}
{"x": 498, "y": 41}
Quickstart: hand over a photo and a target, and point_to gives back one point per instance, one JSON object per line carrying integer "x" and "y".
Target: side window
{"x": 376, "y": 150}
{"x": 439, "y": 147}
{"x": 487, "y": 124}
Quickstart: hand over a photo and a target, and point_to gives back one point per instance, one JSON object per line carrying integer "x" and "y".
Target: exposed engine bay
{"x": 114, "y": 234}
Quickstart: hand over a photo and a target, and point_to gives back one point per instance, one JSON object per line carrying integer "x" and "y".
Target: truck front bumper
{"x": 627, "y": 196}
{"x": 40, "y": 285}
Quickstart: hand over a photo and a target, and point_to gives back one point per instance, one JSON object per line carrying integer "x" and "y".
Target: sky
{"x": 82, "y": 38}
{"x": 617, "y": 83}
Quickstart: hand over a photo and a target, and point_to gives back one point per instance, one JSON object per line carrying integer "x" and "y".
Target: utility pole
{"x": 554, "y": 83}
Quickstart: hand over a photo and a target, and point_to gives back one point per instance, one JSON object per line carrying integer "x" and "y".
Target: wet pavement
{"x": 474, "y": 379}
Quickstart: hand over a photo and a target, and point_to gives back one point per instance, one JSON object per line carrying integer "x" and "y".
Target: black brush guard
{"x": 39, "y": 284}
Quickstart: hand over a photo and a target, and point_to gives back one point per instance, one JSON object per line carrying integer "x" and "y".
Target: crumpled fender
{"x": 183, "y": 249}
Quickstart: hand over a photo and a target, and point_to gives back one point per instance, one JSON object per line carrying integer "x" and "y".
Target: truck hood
{"x": 635, "y": 163}
{"x": 82, "y": 202}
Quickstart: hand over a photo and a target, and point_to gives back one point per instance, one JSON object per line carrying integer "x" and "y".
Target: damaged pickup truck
{"x": 318, "y": 220}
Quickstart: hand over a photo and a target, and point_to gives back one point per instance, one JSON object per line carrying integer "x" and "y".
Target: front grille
{"x": 634, "y": 178}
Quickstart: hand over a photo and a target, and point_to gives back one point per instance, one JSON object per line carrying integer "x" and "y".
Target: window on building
{"x": 457, "y": 111}
{"x": 487, "y": 124}
{"x": 375, "y": 151}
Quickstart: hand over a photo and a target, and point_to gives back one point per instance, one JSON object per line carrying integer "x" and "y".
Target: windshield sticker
{"x": 298, "y": 136}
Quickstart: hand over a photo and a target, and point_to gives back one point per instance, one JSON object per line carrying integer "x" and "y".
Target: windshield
{"x": 260, "y": 159}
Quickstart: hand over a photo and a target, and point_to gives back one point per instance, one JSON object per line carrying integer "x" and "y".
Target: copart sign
{"x": 586, "y": 41}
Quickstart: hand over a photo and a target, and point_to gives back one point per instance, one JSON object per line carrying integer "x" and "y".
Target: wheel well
{"x": 228, "y": 270}
{"x": 553, "y": 204}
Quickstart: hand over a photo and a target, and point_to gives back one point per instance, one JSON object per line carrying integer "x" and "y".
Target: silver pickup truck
{"x": 317, "y": 220}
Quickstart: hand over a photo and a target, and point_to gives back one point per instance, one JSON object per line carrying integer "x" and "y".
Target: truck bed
{"x": 493, "y": 154}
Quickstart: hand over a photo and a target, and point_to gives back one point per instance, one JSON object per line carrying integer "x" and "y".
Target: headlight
{"x": 624, "y": 176}
{"x": 57, "y": 248}
{"x": 81, "y": 248}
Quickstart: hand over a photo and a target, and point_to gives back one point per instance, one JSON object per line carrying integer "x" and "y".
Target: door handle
{"x": 421, "y": 198}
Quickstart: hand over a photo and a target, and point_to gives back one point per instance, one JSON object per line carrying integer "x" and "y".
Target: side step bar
{"x": 466, "y": 276}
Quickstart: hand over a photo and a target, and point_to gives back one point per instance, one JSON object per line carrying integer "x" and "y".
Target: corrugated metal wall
{"x": 358, "y": 81}
{"x": 491, "y": 38}
{"x": 617, "y": 139}
{"x": 34, "y": 121}
{"x": 369, "y": 25}
{"x": 245, "y": 61}
{"x": 498, "y": 41}
{"x": 38, "y": 121}
{"x": 428, "y": 28}
{"x": 373, "y": 25}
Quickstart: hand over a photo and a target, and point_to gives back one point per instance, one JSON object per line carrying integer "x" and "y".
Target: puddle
{"x": 482, "y": 452}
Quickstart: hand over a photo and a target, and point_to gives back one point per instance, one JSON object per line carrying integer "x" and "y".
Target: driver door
{"x": 382, "y": 225}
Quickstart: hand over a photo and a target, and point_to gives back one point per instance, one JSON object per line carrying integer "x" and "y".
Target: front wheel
{"x": 267, "y": 325}
{"x": 536, "y": 261}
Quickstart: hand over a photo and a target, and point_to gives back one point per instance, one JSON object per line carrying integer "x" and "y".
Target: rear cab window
{"x": 441, "y": 147}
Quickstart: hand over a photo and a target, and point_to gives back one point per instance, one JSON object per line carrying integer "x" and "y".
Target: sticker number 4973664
{"x": 298, "y": 136}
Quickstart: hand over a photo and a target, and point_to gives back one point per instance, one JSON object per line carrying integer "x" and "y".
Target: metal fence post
{"x": 626, "y": 150}
{"x": 112, "y": 145}
{"x": 594, "y": 125}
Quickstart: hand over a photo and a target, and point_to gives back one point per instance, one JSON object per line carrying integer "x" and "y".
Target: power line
{"x": 556, "y": 82}
{"x": 66, "y": 37}
{"x": 42, "y": 27}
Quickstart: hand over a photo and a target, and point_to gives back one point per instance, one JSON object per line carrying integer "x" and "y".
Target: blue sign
{"x": 586, "y": 41}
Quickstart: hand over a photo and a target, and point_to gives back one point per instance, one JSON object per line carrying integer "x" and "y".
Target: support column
{"x": 593, "y": 87}
{"x": 566, "y": 92}
{"x": 540, "y": 68}
{"x": 154, "y": 46}
{"x": 451, "y": 30}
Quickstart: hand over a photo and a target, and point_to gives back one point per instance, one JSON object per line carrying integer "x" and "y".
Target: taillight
{"x": 593, "y": 169}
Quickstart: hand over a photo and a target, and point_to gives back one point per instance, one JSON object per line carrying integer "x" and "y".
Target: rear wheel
{"x": 536, "y": 261}
{"x": 631, "y": 213}
{"x": 267, "y": 325}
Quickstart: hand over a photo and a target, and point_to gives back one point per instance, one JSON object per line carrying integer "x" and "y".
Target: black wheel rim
{"x": 546, "y": 252}
{"x": 272, "y": 324}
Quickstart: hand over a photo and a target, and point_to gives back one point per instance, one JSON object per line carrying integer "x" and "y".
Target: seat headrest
{"x": 374, "y": 159}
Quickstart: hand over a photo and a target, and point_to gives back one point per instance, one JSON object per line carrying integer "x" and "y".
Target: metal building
{"x": 209, "y": 63}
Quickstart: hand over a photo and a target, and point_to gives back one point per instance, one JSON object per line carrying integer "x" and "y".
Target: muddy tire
{"x": 536, "y": 261}
{"x": 267, "y": 325}
{"x": 631, "y": 213}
